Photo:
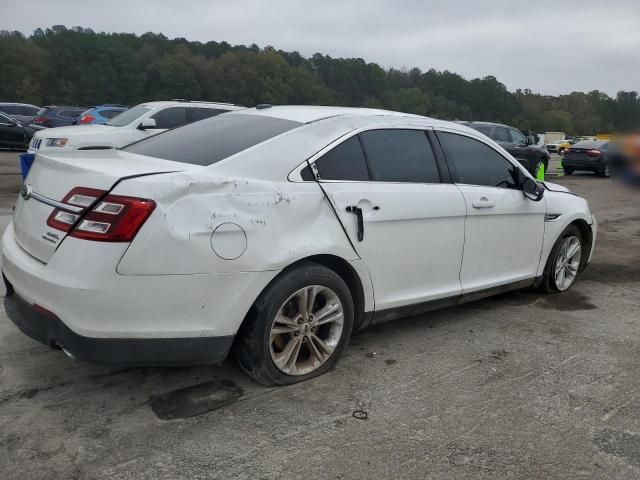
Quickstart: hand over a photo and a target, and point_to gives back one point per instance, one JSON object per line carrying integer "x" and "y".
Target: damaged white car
{"x": 274, "y": 233}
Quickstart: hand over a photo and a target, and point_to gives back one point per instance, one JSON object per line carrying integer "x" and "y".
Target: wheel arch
{"x": 342, "y": 268}
{"x": 586, "y": 235}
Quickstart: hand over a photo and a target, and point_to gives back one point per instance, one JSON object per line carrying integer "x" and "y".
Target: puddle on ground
{"x": 195, "y": 400}
{"x": 568, "y": 301}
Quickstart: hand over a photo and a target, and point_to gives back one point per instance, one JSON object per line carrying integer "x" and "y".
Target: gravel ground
{"x": 518, "y": 386}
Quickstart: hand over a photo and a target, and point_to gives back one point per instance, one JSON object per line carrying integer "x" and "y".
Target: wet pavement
{"x": 521, "y": 386}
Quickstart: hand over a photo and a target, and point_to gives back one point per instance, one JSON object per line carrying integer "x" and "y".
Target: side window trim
{"x": 366, "y": 156}
{"x": 311, "y": 162}
{"x": 452, "y": 167}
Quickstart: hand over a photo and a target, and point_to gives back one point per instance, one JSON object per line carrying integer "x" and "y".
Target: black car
{"x": 589, "y": 156}
{"x": 24, "y": 112}
{"x": 14, "y": 134}
{"x": 516, "y": 143}
{"x": 57, "y": 116}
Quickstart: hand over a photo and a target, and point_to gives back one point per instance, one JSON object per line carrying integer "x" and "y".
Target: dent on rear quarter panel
{"x": 282, "y": 222}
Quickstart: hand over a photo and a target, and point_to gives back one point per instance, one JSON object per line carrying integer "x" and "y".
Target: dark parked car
{"x": 588, "y": 155}
{"x": 14, "y": 134}
{"x": 57, "y": 116}
{"x": 20, "y": 111}
{"x": 516, "y": 143}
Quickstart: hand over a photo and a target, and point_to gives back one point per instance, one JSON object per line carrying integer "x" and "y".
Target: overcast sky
{"x": 549, "y": 46}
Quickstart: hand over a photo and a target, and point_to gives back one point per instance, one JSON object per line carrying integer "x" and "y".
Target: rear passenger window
{"x": 501, "y": 134}
{"x": 171, "y": 117}
{"x": 344, "y": 162}
{"x": 485, "y": 129}
{"x": 197, "y": 113}
{"x": 69, "y": 113}
{"x": 476, "y": 163}
{"x": 400, "y": 156}
{"x": 110, "y": 113}
{"x": 10, "y": 109}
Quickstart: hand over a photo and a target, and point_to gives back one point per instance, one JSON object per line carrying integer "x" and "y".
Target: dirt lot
{"x": 519, "y": 386}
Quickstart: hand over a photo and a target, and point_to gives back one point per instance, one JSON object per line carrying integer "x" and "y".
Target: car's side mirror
{"x": 532, "y": 190}
{"x": 147, "y": 123}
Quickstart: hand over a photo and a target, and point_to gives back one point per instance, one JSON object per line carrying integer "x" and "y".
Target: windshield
{"x": 591, "y": 144}
{"x": 211, "y": 140}
{"x": 128, "y": 116}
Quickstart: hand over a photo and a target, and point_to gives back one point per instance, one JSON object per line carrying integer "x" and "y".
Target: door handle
{"x": 357, "y": 211}
{"x": 484, "y": 202}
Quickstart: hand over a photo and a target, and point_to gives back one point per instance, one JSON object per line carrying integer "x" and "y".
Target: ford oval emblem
{"x": 26, "y": 191}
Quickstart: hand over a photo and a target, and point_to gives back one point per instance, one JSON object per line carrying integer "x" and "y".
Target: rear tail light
{"x": 112, "y": 218}
{"x": 40, "y": 120}
{"x": 593, "y": 153}
{"x": 87, "y": 119}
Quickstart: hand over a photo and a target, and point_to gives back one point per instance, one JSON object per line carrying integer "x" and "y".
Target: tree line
{"x": 77, "y": 66}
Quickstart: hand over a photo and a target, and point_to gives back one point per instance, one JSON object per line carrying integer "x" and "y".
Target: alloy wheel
{"x": 567, "y": 262}
{"x": 306, "y": 330}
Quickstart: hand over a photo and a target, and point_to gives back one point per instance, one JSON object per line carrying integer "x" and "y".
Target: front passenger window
{"x": 475, "y": 163}
{"x": 171, "y": 117}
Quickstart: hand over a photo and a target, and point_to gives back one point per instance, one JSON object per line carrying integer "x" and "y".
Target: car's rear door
{"x": 403, "y": 221}
{"x": 504, "y": 229}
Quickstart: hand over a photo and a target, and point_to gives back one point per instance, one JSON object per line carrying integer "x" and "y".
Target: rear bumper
{"x": 99, "y": 315}
{"x": 595, "y": 165}
{"x": 50, "y": 330}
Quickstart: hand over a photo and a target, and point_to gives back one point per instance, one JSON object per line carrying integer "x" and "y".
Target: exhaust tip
{"x": 66, "y": 352}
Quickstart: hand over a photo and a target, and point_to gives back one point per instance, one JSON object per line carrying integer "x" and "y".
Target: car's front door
{"x": 504, "y": 229}
{"x": 405, "y": 223}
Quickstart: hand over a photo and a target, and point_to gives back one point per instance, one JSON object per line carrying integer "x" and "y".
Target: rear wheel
{"x": 298, "y": 328}
{"x": 568, "y": 171}
{"x": 605, "y": 171}
{"x": 564, "y": 261}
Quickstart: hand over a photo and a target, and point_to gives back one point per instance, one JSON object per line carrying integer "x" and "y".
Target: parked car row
{"x": 69, "y": 125}
{"x": 131, "y": 125}
{"x": 273, "y": 233}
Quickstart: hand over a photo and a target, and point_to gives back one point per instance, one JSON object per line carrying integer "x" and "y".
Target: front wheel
{"x": 298, "y": 327}
{"x": 564, "y": 261}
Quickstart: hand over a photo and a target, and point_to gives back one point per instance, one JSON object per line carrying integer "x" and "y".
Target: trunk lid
{"x": 580, "y": 154}
{"x": 54, "y": 175}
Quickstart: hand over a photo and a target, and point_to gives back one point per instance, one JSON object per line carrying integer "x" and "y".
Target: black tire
{"x": 252, "y": 348}
{"x": 568, "y": 171}
{"x": 605, "y": 171}
{"x": 548, "y": 284}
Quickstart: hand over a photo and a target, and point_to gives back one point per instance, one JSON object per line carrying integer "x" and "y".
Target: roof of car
{"x": 193, "y": 103}
{"x": 309, "y": 114}
{"x": 17, "y": 103}
{"x": 493, "y": 124}
{"x": 353, "y": 115}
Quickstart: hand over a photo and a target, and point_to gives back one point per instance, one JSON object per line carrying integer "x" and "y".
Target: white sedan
{"x": 274, "y": 233}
